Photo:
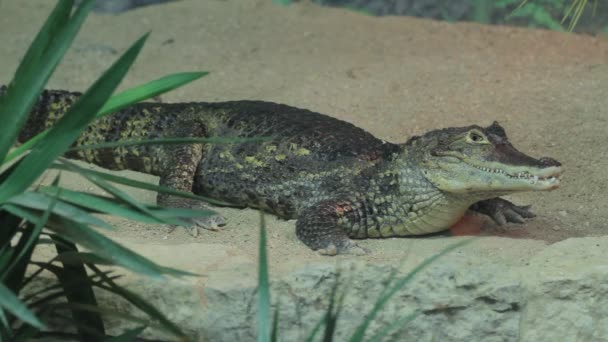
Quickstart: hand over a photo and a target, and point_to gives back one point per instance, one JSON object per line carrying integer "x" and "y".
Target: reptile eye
{"x": 476, "y": 137}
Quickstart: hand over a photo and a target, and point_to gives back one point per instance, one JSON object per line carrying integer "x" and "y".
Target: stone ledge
{"x": 555, "y": 295}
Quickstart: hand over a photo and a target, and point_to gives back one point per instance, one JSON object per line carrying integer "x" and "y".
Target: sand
{"x": 393, "y": 76}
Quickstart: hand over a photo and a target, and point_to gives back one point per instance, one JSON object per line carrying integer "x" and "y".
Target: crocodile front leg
{"x": 320, "y": 227}
{"x": 503, "y": 211}
{"x": 179, "y": 174}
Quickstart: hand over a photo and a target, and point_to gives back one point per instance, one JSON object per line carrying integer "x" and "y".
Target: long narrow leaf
{"x": 140, "y": 303}
{"x": 38, "y": 201}
{"x": 331, "y": 316}
{"x": 315, "y": 329}
{"x": 69, "y": 166}
{"x": 5, "y": 328}
{"x": 11, "y": 303}
{"x": 54, "y": 287}
{"x": 124, "y": 197}
{"x": 107, "y": 205}
{"x": 49, "y": 266}
{"x": 168, "y": 141}
{"x": 112, "y": 251}
{"x": 274, "y": 334}
{"x": 10, "y": 228}
{"x": 70, "y": 126}
{"x": 96, "y": 309}
{"x": 359, "y": 333}
{"x": 148, "y": 90}
{"x": 263, "y": 312}
{"x": 81, "y": 293}
{"x": 399, "y": 323}
{"x": 42, "y": 59}
{"x": 125, "y": 99}
{"x": 76, "y": 258}
{"x": 15, "y": 272}
{"x": 52, "y": 26}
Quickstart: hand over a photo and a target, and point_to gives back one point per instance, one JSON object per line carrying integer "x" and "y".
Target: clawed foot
{"x": 347, "y": 247}
{"x": 213, "y": 223}
{"x": 503, "y": 211}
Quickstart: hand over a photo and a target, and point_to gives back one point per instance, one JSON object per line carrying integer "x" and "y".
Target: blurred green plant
{"x": 551, "y": 14}
{"x": 537, "y": 13}
{"x": 52, "y": 215}
{"x": 282, "y": 2}
{"x": 482, "y": 11}
{"x": 542, "y": 13}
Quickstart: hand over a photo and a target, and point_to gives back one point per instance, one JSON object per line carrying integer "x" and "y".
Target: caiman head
{"x": 481, "y": 160}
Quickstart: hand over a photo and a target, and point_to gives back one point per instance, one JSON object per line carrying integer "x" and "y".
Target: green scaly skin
{"x": 337, "y": 180}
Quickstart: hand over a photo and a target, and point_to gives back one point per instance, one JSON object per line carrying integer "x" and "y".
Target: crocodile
{"x": 338, "y": 181}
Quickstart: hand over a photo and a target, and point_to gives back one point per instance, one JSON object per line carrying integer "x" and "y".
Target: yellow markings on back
{"x": 302, "y": 151}
{"x": 55, "y": 112}
{"x": 254, "y": 161}
{"x": 226, "y": 154}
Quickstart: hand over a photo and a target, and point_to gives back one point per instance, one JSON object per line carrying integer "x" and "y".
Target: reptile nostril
{"x": 546, "y": 161}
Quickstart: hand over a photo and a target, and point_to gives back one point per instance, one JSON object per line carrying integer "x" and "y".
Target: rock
{"x": 556, "y": 295}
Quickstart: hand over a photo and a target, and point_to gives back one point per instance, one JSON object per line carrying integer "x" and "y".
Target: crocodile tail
{"x": 50, "y": 107}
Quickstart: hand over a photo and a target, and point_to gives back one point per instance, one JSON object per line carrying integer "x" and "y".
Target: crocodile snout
{"x": 548, "y": 162}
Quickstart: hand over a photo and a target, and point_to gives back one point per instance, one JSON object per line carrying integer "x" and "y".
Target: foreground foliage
{"x": 51, "y": 215}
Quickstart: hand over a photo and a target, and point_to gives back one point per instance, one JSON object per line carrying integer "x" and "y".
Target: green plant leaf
{"x": 124, "y": 197}
{"x": 86, "y": 308}
{"x": 14, "y": 273}
{"x": 148, "y": 90}
{"x": 140, "y": 303}
{"x": 359, "y": 333}
{"x": 274, "y": 334}
{"x": 331, "y": 315}
{"x": 22, "y": 213}
{"x": 10, "y": 227}
{"x": 79, "y": 293}
{"x": 69, "y": 166}
{"x": 111, "y": 251}
{"x": 282, "y": 2}
{"x": 125, "y": 99}
{"x": 38, "y": 201}
{"x": 168, "y": 141}
{"x": 39, "y": 62}
{"x": 11, "y": 303}
{"x": 111, "y": 206}
{"x": 398, "y": 323}
{"x": 263, "y": 312}
{"x": 5, "y": 329}
{"x": 578, "y": 6}
{"x": 77, "y": 258}
{"x": 545, "y": 19}
{"x": 48, "y": 266}
{"x": 70, "y": 126}
{"x": 315, "y": 330}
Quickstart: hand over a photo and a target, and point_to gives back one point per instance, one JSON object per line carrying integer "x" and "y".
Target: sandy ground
{"x": 394, "y": 76}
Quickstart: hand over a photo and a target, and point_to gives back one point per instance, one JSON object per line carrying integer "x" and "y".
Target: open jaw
{"x": 518, "y": 178}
